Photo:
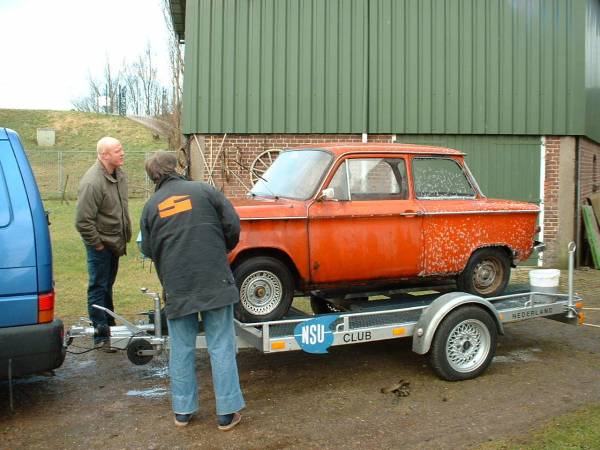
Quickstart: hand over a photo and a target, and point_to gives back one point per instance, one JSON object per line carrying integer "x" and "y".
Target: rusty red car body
{"x": 390, "y": 223}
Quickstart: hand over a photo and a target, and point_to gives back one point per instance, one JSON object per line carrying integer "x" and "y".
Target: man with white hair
{"x": 105, "y": 227}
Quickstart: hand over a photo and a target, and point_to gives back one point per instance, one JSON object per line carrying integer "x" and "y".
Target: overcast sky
{"x": 47, "y": 47}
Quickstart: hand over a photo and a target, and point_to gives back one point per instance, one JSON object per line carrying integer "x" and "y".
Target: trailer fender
{"x": 438, "y": 310}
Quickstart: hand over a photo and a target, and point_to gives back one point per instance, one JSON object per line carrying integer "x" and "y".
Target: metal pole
{"x": 146, "y": 179}
{"x": 60, "y": 171}
{"x": 572, "y": 247}
{"x": 10, "y": 385}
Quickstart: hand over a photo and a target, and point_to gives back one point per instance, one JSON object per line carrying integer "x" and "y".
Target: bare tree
{"x": 102, "y": 94}
{"x": 111, "y": 87}
{"x": 146, "y": 73}
{"x": 134, "y": 91}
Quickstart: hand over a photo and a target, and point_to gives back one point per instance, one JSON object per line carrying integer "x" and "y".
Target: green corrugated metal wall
{"x": 592, "y": 70}
{"x": 477, "y": 66}
{"x": 434, "y": 66}
{"x": 275, "y": 66}
{"x": 504, "y": 166}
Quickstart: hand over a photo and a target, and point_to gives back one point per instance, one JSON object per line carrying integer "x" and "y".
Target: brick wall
{"x": 242, "y": 149}
{"x": 589, "y": 167}
{"x": 551, "y": 185}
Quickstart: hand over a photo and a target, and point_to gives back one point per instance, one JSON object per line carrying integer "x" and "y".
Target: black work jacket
{"x": 188, "y": 227}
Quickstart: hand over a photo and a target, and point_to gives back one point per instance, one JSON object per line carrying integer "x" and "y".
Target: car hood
{"x": 269, "y": 208}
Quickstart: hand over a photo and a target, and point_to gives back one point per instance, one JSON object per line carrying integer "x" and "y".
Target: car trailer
{"x": 458, "y": 330}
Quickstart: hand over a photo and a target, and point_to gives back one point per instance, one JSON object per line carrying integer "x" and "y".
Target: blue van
{"x": 31, "y": 339}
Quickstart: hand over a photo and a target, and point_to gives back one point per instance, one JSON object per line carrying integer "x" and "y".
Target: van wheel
{"x": 266, "y": 289}
{"x": 464, "y": 344}
{"x": 486, "y": 274}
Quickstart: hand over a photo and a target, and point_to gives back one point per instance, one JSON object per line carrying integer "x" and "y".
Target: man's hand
{"x": 99, "y": 247}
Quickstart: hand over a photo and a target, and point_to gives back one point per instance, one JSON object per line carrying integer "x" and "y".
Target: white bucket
{"x": 544, "y": 280}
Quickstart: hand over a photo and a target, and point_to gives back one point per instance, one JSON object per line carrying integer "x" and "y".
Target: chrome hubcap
{"x": 261, "y": 292}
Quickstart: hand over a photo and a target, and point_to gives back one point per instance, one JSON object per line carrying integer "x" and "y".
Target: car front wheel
{"x": 266, "y": 289}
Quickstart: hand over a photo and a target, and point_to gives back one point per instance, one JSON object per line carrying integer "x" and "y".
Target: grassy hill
{"x": 78, "y": 130}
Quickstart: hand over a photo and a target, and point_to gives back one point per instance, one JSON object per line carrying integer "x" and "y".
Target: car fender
{"x": 436, "y": 312}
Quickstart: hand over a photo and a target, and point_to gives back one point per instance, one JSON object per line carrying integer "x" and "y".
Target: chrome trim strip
{"x": 414, "y": 214}
{"x": 446, "y": 213}
{"x": 368, "y": 216}
{"x": 274, "y": 218}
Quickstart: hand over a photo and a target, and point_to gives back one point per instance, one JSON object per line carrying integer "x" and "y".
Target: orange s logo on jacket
{"x": 174, "y": 205}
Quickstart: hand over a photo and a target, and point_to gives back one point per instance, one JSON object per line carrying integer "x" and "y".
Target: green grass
{"x": 577, "y": 430}
{"x": 78, "y": 130}
{"x": 70, "y": 269}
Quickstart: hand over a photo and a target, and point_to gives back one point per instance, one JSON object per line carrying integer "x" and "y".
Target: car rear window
{"x": 4, "y": 204}
{"x": 440, "y": 178}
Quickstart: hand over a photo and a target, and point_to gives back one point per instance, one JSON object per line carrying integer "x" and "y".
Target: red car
{"x": 339, "y": 218}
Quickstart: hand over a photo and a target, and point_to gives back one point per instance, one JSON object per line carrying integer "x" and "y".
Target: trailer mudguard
{"x": 438, "y": 310}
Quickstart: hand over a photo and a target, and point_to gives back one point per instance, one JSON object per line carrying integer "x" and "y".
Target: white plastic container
{"x": 544, "y": 280}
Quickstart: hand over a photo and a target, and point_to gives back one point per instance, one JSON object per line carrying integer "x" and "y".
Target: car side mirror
{"x": 326, "y": 194}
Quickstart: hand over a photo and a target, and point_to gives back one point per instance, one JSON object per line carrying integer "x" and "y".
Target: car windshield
{"x": 294, "y": 174}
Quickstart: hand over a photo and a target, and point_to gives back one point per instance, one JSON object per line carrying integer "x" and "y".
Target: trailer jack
{"x": 142, "y": 342}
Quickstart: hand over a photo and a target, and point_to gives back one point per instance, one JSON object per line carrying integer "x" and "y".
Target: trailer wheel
{"x": 135, "y": 346}
{"x": 464, "y": 344}
{"x": 319, "y": 305}
{"x": 486, "y": 274}
{"x": 266, "y": 289}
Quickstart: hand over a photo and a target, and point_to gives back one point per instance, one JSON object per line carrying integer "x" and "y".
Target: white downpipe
{"x": 542, "y": 182}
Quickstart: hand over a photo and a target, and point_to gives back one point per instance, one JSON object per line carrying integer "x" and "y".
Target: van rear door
{"x": 18, "y": 268}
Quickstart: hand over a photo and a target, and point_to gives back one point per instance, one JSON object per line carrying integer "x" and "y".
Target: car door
{"x": 370, "y": 229}
{"x": 451, "y": 223}
{"x": 18, "y": 271}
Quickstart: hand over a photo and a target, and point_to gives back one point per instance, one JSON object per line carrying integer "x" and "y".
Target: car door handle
{"x": 411, "y": 213}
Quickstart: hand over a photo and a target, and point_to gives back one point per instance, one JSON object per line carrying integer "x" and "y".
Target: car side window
{"x": 339, "y": 183}
{"x": 4, "y": 204}
{"x": 370, "y": 179}
{"x": 440, "y": 178}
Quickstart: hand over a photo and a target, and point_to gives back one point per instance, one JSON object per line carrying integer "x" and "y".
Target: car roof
{"x": 339, "y": 148}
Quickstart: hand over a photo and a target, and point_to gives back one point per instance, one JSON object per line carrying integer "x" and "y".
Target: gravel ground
{"x": 542, "y": 368}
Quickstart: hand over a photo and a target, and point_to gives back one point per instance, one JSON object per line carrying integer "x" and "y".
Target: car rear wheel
{"x": 266, "y": 289}
{"x": 486, "y": 274}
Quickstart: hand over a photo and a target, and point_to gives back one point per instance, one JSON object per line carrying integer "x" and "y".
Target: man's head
{"x": 160, "y": 165}
{"x": 110, "y": 153}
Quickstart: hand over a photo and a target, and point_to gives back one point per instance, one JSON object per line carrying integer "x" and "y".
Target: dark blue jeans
{"x": 102, "y": 272}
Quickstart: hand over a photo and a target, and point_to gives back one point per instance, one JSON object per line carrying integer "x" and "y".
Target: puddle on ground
{"x": 526, "y": 355}
{"x": 158, "y": 371}
{"x": 155, "y": 392}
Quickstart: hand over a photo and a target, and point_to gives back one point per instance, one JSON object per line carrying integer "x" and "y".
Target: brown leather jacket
{"x": 102, "y": 211}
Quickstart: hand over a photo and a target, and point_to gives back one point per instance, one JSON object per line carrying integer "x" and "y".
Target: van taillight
{"x": 46, "y": 307}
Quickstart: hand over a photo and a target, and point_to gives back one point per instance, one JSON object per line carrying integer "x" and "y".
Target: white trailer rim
{"x": 468, "y": 345}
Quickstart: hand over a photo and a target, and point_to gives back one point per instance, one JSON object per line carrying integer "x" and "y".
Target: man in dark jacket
{"x": 105, "y": 227}
{"x": 187, "y": 230}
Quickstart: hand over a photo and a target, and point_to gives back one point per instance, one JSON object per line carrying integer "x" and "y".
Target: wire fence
{"x": 58, "y": 171}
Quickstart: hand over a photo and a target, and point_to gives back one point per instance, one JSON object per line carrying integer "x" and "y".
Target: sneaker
{"x": 181, "y": 420}
{"x": 228, "y": 421}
